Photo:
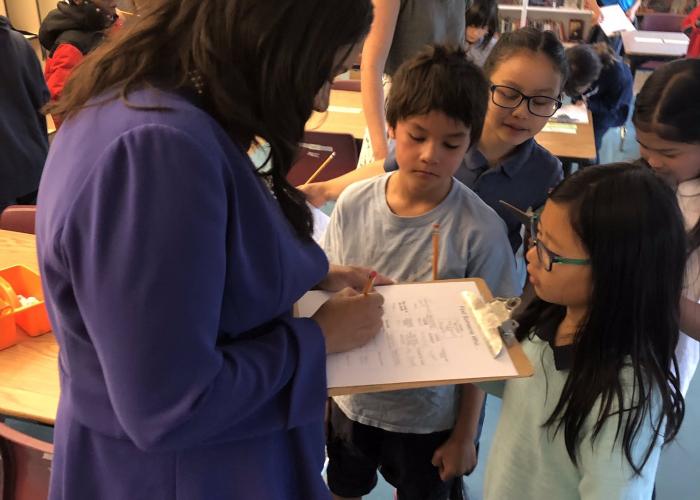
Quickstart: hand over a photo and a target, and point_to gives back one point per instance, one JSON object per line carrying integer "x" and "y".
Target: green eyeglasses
{"x": 545, "y": 255}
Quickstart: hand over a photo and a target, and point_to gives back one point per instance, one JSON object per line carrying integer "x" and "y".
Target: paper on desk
{"x": 676, "y": 42}
{"x": 560, "y": 128}
{"x": 615, "y": 20}
{"x": 571, "y": 113}
{"x": 344, "y": 109}
{"x": 428, "y": 336}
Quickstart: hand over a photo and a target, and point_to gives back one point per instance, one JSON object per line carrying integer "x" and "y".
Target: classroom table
{"x": 656, "y": 44}
{"x": 29, "y": 387}
{"x": 578, "y": 147}
{"x": 345, "y": 115}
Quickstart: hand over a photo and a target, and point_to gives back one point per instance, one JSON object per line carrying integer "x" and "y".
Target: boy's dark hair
{"x": 440, "y": 78}
{"x": 528, "y": 39}
{"x": 483, "y": 14}
{"x": 261, "y": 63}
{"x": 628, "y": 219}
{"x": 585, "y": 64}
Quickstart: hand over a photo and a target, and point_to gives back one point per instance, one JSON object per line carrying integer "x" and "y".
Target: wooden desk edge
{"x": 520, "y": 361}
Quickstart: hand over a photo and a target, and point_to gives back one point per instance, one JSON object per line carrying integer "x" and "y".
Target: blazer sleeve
{"x": 149, "y": 278}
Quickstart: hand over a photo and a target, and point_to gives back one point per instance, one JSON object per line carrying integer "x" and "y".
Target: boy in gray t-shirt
{"x": 421, "y": 439}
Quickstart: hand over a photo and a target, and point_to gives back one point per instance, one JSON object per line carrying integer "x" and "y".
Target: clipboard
{"x": 513, "y": 358}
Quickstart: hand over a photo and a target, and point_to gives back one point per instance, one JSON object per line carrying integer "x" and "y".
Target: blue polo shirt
{"x": 523, "y": 179}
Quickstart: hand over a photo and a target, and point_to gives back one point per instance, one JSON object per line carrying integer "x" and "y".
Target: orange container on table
{"x": 8, "y": 331}
{"x": 32, "y": 318}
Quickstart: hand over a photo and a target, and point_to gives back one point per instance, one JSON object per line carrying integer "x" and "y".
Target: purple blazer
{"x": 169, "y": 273}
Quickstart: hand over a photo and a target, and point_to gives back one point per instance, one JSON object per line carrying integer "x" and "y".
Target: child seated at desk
{"x": 420, "y": 439}
{"x": 599, "y": 77}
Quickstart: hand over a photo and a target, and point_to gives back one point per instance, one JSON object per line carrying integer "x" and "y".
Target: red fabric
{"x": 690, "y": 23}
{"x": 58, "y": 69}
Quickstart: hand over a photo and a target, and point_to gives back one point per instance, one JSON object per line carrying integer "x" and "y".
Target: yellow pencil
{"x": 436, "y": 250}
{"x": 370, "y": 282}
{"x": 320, "y": 169}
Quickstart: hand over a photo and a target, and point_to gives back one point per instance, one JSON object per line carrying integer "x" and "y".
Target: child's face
{"x": 475, "y": 33}
{"x": 566, "y": 284}
{"x": 678, "y": 160}
{"x": 532, "y": 74}
{"x": 429, "y": 148}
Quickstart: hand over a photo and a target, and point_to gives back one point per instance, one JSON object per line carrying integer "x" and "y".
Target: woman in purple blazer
{"x": 170, "y": 264}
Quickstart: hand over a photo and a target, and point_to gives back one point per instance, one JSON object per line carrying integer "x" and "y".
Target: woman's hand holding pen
{"x": 355, "y": 277}
{"x": 350, "y": 319}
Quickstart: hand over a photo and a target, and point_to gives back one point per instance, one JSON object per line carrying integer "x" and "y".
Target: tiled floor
{"x": 678, "y": 477}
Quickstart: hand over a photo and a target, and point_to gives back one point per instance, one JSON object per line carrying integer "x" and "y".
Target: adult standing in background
{"x": 70, "y": 32}
{"x": 170, "y": 263}
{"x": 23, "y": 138}
{"x": 401, "y": 28}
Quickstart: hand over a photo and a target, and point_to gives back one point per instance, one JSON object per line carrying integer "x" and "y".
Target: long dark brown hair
{"x": 632, "y": 320}
{"x": 261, "y": 62}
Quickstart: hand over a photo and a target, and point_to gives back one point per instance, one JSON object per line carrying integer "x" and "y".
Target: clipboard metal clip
{"x": 493, "y": 319}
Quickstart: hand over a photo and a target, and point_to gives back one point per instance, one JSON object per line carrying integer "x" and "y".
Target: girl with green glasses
{"x": 601, "y": 335}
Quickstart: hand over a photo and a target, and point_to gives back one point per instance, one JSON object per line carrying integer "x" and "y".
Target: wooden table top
{"x": 655, "y": 43}
{"x": 345, "y": 115}
{"x": 578, "y": 146}
{"x": 29, "y": 385}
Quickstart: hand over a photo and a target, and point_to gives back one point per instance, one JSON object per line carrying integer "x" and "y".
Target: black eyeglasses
{"x": 546, "y": 257}
{"x": 507, "y": 97}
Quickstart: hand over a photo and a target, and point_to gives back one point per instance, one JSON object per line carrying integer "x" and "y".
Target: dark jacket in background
{"x": 610, "y": 98}
{"x": 69, "y": 33}
{"x": 23, "y": 138}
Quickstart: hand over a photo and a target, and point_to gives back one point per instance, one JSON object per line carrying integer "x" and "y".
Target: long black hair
{"x": 483, "y": 14}
{"x": 628, "y": 220}
{"x": 260, "y": 62}
{"x": 663, "y": 107}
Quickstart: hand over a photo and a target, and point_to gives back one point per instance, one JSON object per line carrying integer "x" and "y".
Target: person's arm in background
{"x": 318, "y": 193}
{"x": 632, "y": 11}
{"x": 35, "y": 83}
{"x": 374, "y": 56}
{"x": 457, "y": 455}
{"x": 593, "y": 6}
{"x": 690, "y": 318}
{"x": 692, "y": 21}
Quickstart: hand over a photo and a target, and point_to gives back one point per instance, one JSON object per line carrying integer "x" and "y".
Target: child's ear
{"x": 391, "y": 132}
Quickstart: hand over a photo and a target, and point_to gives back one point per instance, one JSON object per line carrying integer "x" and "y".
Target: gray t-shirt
{"x": 473, "y": 243}
{"x": 478, "y": 54}
{"x": 423, "y": 22}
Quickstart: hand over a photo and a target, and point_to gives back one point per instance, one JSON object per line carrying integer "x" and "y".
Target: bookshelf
{"x": 555, "y": 18}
